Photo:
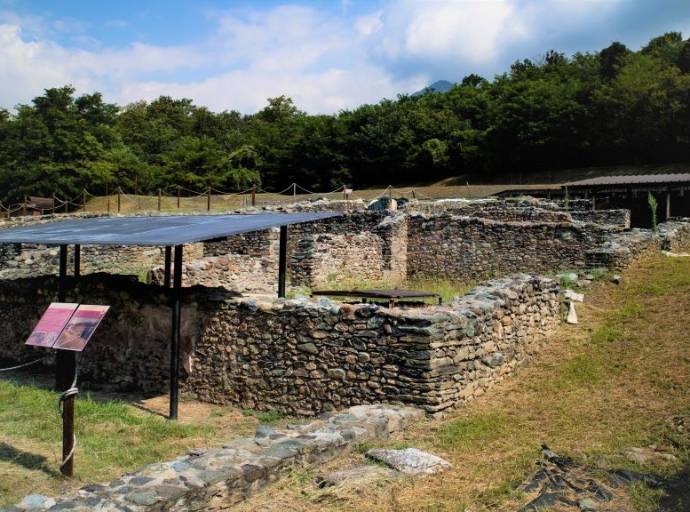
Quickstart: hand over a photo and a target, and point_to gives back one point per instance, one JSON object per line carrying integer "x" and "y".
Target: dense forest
{"x": 615, "y": 106}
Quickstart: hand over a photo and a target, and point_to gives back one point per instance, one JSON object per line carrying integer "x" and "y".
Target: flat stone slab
{"x": 356, "y": 476}
{"x": 410, "y": 461}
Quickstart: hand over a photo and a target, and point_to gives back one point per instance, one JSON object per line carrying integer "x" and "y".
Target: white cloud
{"x": 325, "y": 62}
{"x": 471, "y": 30}
{"x": 251, "y": 56}
{"x": 369, "y": 24}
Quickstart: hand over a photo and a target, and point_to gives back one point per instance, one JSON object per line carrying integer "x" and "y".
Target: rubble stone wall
{"x": 238, "y": 272}
{"x": 676, "y": 235}
{"x": 470, "y": 249}
{"x": 298, "y": 356}
{"x": 305, "y": 357}
{"x": 32, "y": 260}
{"x": 615, "y": 218}
{"x": 130, "y": 350}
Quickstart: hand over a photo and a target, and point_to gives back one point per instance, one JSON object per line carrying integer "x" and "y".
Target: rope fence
{"x": 180, "y": 198}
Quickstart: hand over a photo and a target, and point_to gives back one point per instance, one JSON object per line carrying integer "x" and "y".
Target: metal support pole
{"x": 77, "y": 260}
{"x": 68, "y": 434}
{"x": 282, "y": 261}
{"x": 168, "y": 261}
{"x": 65, "y": 362}
{"x": 208, "y": 199}
{"x": 175, "y": 337}
{"x": 179, "y": 191}
{"x": 668, "y": 204}
{"x": 160, "y": 199}
{"x": 62, "y": 285}
{"x": 119, "y": 192}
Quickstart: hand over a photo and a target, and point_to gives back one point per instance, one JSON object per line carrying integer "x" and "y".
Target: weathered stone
{"x": 410, "y": 461}
{"x": 309, "y": 348}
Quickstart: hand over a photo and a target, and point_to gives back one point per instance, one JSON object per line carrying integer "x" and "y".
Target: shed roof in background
{"x": 152, "y": 230}
{"x": 634, "y": 179}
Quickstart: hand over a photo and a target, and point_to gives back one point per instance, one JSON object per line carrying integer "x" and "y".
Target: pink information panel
{"x": 51, "y": 324}
{"x": 81, "y": 327}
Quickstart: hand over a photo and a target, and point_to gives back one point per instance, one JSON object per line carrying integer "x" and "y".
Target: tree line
{"x": 612, "y": 107}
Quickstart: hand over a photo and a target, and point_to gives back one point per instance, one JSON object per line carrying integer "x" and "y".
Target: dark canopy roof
{"x": 634, "y": 179}
{"x": 152, "y": 230}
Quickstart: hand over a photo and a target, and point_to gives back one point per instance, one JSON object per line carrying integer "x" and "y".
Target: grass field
{"x": 612, "y": 382}
{"x": 114, "y": 436}
{"x": 219, "y": 203}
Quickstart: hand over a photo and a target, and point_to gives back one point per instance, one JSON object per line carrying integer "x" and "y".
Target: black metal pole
{"x": 77, "y": 260}
{"x": 175, "y": 338}
{"x": 66, "y": 362}
{"x": 282, "y": 261}
{"x": 168, "y": 261}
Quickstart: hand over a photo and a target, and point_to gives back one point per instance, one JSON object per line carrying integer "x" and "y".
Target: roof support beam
{"x": 166, "y": 267}
{"x": 282, "y": 261}
{"x": 175, "y": 334}
{"x": 77, "y": 260}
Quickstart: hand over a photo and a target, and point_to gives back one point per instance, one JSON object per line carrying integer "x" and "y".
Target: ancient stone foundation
{"x": 217, "y": 478}
{"x": 298, "y": 356}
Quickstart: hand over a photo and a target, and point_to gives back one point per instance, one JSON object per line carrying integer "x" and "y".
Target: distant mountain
{"x": 439, "y": 86}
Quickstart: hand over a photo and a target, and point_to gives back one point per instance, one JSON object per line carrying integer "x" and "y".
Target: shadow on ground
{"x": 28, "y": 460}
{"x": 677, "y": 492}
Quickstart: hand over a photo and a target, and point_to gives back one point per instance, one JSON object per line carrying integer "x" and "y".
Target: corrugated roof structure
{"x": 634, "y": 179}
{"x": 152, "y": 230}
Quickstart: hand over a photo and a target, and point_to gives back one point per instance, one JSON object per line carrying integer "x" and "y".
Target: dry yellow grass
{"x": 609, "y": 383}
{"x": 220, "y": 203}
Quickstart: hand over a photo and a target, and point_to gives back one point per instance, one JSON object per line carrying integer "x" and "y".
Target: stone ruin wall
{"x": 308, "y": 357}
{"x": 300, "y": 356}
{"x": 470, "y": 248}
{"x": 129, "y": 351}
{"x": 305, "y": 356}
{"x": 614, "y": 218}
{"x": 496, "y": 238}
{"x": 676, "y": 234}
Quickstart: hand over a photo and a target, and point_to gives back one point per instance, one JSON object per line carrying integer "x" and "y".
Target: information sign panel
{"x": 81, "y": 327}
{"x": 51, "y": 324}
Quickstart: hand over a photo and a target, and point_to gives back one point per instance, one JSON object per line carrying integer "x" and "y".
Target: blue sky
{"x": 326, "y": 55}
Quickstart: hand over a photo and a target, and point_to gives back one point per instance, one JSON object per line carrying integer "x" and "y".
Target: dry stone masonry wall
{"x": 304, "y": 357}
{"x": 470, "y": 248}
{"x": 300, "y": 356}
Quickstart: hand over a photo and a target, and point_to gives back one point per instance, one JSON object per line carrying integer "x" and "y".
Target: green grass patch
{"x": 461, "y": 434}
{"x": 265, "y": 416}
{"x": 112, "y": 438}
{"x": 607, "y": 333}
{"x": 644, "y": 498}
